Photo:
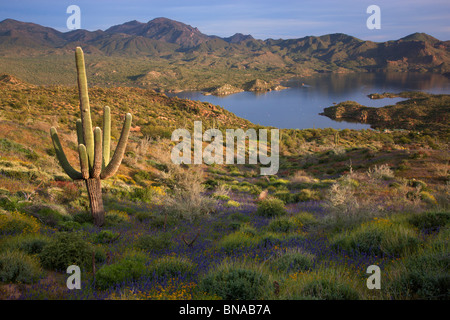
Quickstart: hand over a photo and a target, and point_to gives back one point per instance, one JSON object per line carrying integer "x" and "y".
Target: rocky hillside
{"x": 122, "y": 54}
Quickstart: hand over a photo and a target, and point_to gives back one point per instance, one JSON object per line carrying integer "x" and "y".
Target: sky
{"x": 261, "y": 18}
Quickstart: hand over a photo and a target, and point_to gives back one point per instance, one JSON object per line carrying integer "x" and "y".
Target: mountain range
{"x": 167, "y": 54}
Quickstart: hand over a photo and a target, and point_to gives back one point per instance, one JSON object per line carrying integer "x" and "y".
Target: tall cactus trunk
{"x": 94, "y": 190}
{"x": 93, "y": 146}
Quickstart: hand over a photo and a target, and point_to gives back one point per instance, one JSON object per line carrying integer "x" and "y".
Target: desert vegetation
{"x": 342, "y": 200}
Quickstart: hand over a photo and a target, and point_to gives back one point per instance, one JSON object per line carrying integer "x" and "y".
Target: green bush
{"x": 283, "y": 224}
{"x": 105, "y": 236}
{"x": 171, "y": 266}
{"x": 130, "y": 268}
{"x": 306, "y": 219}
{"x": 293, "y": 262}
{"x": 19, "y": 267}
{"x": 271, "y": 207}
{"x": 154, "y": 242}
{"x": 236, "y": 283}
{"x": 424, "y": 277}
{"x": 17, "y": 222}
{"x": 238, "y": 240}
{"x": 380, "y": 236}
{"x": 430, "y": 220}
{"x": 65, "y": 249}
{"x": 325, "y": 289}
{"x": 83, "y": 217}
{"x": 69, "y": 226}
{"x": 285, "y": 195}
{"x": 306, "y": 195}
{"x": 28, "y": 243}
{"x": 50, "y": 215}
{"x": 115, "y": 217}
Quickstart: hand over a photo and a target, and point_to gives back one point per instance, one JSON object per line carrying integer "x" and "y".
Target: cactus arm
{"x": 84, "y": 162}
{"x": 106, "y": 136}
{"x": 80, "y": 132}
{"x": 112, "y": 167}
{"x": 70, "y": 171}
{"x": 84, "y": 106}
{"x": 97, "y": 169}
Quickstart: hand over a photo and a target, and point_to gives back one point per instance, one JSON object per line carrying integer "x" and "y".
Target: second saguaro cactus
{"x": 93, "y": 146}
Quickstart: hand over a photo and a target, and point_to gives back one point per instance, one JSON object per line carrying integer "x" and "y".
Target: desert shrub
{"x": 233, "y": 204}
{"x": 16, "y": 222}
{"x": 271, "y": 207}
{"x": 238, "y": 240}
{"x": 131, "y": 267}
{"x": 114, "y": 217}
{"x": 28, "y": 243}
{"x": 9, "y": 203}
{"x": 65, "y": 249}
{"x": 105, "y": 236}
{"x": 430, "y": 220}
{"x": 325, "y": 289}
{"x": 285, "y": 196}
{"x": 284, "y": 224}
{"x": 83, "y": 217}
{"x": 417, "y": 184}
{"x": 51, "y": 215}
{"x": 379, "y": 236}
{"x": 147, "y": 194}
{"x": 424, "y": 276}
{"x": 235, "y": 282}
{"x": 342, "y": 198}
{"x": 305, "y": 219}
{"x": 142, "y": 216}
{"x": 268, "y": 239}
{"x": 19, "y": 267}
{"x": 222, "y": 197}
{"x": 162, "y": 221}
{"x": 293, "y": 261}
{"x": 427, "y": 197}
{"x": 69, "y": 226}
{"x": 171, "y": 267}
{"x": 189, "y": 204}
{"x": 307, "y": 195}
{"x": 382, "y": 172}
{"x": 12, "y": 147}
{"x": 158, "y": 242}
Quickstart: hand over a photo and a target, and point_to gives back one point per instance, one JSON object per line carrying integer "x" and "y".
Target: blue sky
{"x": 262, "y": 19}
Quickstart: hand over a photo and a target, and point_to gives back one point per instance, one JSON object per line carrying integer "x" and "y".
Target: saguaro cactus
{"x": 93, "y": 148}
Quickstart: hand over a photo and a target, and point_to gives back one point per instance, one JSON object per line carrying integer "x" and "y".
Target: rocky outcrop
{"x": 422, "y": 111}
{"x": 225, "y": 90}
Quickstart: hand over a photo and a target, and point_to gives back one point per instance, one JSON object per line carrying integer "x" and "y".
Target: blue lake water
{"x": 299, "y": 106}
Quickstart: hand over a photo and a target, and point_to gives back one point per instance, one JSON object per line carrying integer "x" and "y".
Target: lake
{"x": 298, "y": 107}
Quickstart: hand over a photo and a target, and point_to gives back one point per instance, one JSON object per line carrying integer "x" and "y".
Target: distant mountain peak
{"x": 162, "y": 29}
{"x": 238, "y": 37}
{"x": 420, "y": 36}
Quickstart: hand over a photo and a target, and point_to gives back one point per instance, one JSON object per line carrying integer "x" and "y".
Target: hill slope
{"x": 201, "y": 61}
